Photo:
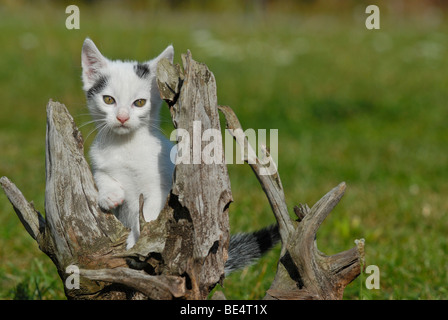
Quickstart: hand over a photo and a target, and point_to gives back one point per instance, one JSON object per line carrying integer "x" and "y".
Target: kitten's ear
{"x": 167, "y": 53}
{"x": 92, "y": 62}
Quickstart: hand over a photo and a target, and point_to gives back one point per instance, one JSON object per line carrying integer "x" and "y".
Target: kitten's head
{"x": 122, "y": 96}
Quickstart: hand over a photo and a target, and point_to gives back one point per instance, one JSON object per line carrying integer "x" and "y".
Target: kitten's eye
{"x": 140, "y": 102}
{"x": 108, "y": 100}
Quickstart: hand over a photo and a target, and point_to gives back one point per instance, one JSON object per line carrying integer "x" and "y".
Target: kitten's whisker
{"x": 103, "y": 132}
{"x": 153, "y": 126}
{"x": 87, "y": 123}
{"x": 100, "y": 125}
{"x": 85, "y": 139}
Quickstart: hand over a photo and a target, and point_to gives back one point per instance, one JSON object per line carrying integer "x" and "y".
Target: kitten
{"x": 130, "y": 156}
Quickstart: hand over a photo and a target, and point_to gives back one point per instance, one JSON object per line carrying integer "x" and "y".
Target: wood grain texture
{"x": 183, "y": 252}
{"x": 202, "y": 190}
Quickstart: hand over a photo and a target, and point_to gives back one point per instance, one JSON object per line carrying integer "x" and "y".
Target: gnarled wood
{"x": 182, "y": 253}
{"x": 303, "y": 271}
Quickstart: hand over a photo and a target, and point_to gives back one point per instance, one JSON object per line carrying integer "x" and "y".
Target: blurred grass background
{"x": 363, "y": 106}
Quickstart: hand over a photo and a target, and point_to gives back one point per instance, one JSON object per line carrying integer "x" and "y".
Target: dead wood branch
{"x": 303, "y": 271}
{"x": 183, "y": 252}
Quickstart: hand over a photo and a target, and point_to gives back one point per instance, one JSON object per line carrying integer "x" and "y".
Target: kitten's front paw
{"x": 112, "y": 199}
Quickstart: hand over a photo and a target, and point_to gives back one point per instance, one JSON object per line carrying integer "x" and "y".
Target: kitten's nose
{"x": 122, "y": 116}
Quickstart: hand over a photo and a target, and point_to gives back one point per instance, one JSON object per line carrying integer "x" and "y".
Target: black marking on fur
{"x": 267, "y": 238}
{"x": 142, "y": 70}
{"x": 246, "y": 248}
{"x": 98, "y": 86}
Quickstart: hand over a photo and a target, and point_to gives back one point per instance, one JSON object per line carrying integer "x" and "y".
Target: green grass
{"x": 365, "y": 107}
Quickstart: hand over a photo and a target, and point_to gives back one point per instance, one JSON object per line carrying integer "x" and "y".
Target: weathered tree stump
{"x": 303, "y": 272}
{"x": 183, "y": 252}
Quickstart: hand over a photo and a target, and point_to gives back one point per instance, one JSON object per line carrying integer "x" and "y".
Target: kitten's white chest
{"x": 140, "y": 165}
{"x": 131, "y": 160}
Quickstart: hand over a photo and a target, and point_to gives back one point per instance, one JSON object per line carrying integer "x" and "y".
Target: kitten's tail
{"x": 246, "y": 248}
